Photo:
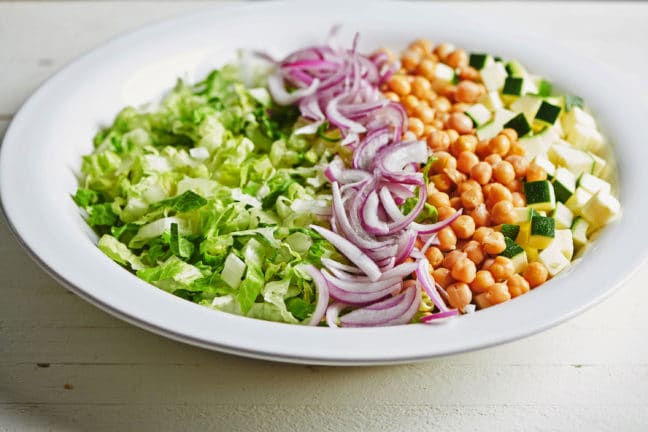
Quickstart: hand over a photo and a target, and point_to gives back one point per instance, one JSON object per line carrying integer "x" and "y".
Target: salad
{"x": 350, "y": 190}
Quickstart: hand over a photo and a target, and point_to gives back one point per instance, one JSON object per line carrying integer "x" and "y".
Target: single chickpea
{"x": 481, "y": 301}
{"x": 515, "y": 185}
{"x": 424, "y": 45}
{"x": 459, "y": 107}
{"x": 438, "y": 141}
{"x": 447, "y": 239}
{"x": 481, "y": 233}
{"x": 410, "y": 103}
{"x": 442, "y": 277}
{"x": 487, "y": 264}
{"x": 462, "y": 144}
{"x": 498, "y": 293}
{"x": 392, "y": 96}
{"x": 466, "y": 160}
{"x": 474, "y": 252}
{"x": 434, "y": 256}
{"x": 482, "y": 282}
{"x": 459, "y": 295}
{"x": 400, "y": 85}
{"x": 471, "y": 199}
{"x": 438, "y": 124}
{"x": 421, "y": 87}
{"x": 456, "y": 176}
{"x": 453, "y": 135}
{"x": 444, "y": 212}
{"x": 444, "y": 160}
{"x": 439, "y": 199}
{"x": 441, "y": 105}
{"x": 468, "y": 73}
{"x": 482, "y": 149}
{"x": 536, "y": 274}
{"x": 493, "y": 159}
{"x": 455, "y": 203}
{"x": 448, "y": 91}
{"x": 424, "y": 112}
{"x": 452, "y": 258}
{"x": 496, "y": 193}
{"x": 502, "y": 213}
{"x": 464, "y": 270}
{"x": 427, "y": 68}
{"x": 535, "y": 173}
{"x": 494, "y": 243}
{"x": 442, "y": 182}
{"x": 517, "y": 285}
{"x": 460, "y": 122}
{"x": 409, "y": 136}
{"x": 457, "y": 58}
{"x": 503, "y": 172}
{"x": 481, "y": 172}
{"x": 500, "y": 145}
{"x": 468, "y": 184}
{"x": 502, "y": 268}
{"x": 468, "y": 92}
{"x": 519, "y": 165}
{"x": 518, "y": 199}
{"x": 517, "y": 149}
{"x": 411, "y": 59}
{"x": 463, "y": 226}
{"x": 481, "y": 216}
{"x": 511, "y": 134}
{"x": 428, "y": 130}
{"x": 443, "y": 50}
{"x": 416, "y": 125}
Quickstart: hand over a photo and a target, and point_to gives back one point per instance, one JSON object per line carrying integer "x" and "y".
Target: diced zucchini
{"x": 492, "y": 100}
{"x": 544, "y": 87}
{"x": 532, "y": 253}
{"x": 515, "y": 69}
{"x": 479, "y": 61}
{"x": 443, "y": 75}
{"x": 576, "y": 116}
{"x": 553, "y": 259}
{"x": 523, "y": 236}
{"x": 563, "y": 216}
{"x": 516, "y": 254}
{"x": 527, "y": 104}
{"x": 572, "y": 101}
{"x": 593, "y": 184}
{"x": 513, "y": 86}
{"x": 522, "y": 214}
{"x": 540, "y": 195}
{"x": 538, "y": 144}
{"x": 479, "y": 114}
{"x": 510, "y": 231}
{"x": 546, "y": 165}
{"x": 601, "y": 209}
{"x": 520, "y": 124}
{"x": 576, "y": 161}
{"x": 564, "y": 242}
{"x": 599, "y": 165}
{"x": 564, "y": 184}
{"x": 548, "y": 113}
{"x": 578, "y": 200}
{"x": 543, "y": 231}
{"x": 579, "y": 231}
{"x": 493, "y": 76}
{"x": 585, "y": 138}
{"x": 492, "y": 128}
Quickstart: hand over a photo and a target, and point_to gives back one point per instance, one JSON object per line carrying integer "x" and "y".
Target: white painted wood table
{"x": 65, "y": 365}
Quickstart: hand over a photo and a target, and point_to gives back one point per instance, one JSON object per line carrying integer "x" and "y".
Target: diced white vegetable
{"x": 493, "y": 76}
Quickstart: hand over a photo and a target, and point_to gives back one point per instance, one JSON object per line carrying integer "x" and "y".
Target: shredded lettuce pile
{"x": 209, "y": 194}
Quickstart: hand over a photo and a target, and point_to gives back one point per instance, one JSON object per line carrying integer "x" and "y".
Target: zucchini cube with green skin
{"x": 598, "y": 165}
{"x": 578, "y": 162}
{"x": 544, "y": 87}
{"x": 564, "y": 242}
{"x": 479, "y": 114}
{"x": 548, "y": 113}
{"x": 579, "y": 231}
{"x": 546, "y": 165}
{"x": 527, "y": 104}
{"x": 553, "y": 259}
{"x": 516, "y": 254}
{"x": 520, "y": 123}
{"x": 572, "y": 101}
{"x": 601, "y": 209}
{"x": 578, "y": 200}
{"x": 563, "y": 216}
{"x": 593, "y": 184}
{"x": 513, "y": 86}
{"x": 492, "y": 100}
{"x": 493, "y": 76}
{"x": 479, "y": 61}
{"x": 540, "y": 195}
{"x": 542, "y": 233}
{"x": 510, "y": 231}
{"x": 564, "y": 184}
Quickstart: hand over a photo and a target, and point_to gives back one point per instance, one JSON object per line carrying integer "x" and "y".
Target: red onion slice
{"x": 360, "y": 287}
{"x": 360, "y": 299}
{"x": 398, "y": 313}
{"x": 435, "y": 227}
{"x": 333, "y": 312}
{"x": 322, "y": 294}
{"x": 282, "y": 97}
{"x": 425, "y": 279}
{"x": 330, "y": 264}
{"x": 440, "y": 315}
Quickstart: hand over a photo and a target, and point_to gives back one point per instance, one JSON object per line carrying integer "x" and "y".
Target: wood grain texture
{"x": 65, "y": 365}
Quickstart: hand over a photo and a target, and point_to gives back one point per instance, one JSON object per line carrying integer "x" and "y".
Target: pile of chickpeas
{"x": 484, "y": 178}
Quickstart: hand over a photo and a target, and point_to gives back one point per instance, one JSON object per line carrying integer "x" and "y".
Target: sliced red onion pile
{"x": 367, "y": 225}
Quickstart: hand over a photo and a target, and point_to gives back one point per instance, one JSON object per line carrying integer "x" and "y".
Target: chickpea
{"x": 517, "y": 149}
{"x": 439, "y": 199}
{"x": 482, "y": 149}
{"x": 442, "y": 104}
{"x": 453, "y": 135}
{"x": 464, "y": 270}
{"x": 500, "y": 145}
{"x": 471, "y": 199}
{"x": 511, "y": 134}
{"x": 462, "y": 144}
{"x": 502, "y": 213}
{"x": 434, "y": 256}
{"x": 456, "y": 176}
{"x": 481, "y": 233}
{"x": 392, "y": 96}
{"x": 421, "y": 87}
{"x": 444, "y": 160}
{"x": 400, "y": 85}
{"x": 468, "y": 185}
{"x": 457, "y": 58}
{"x": 455, "y": 203}
{"x": 481, "y": 172}
{"x": 468, "y": 92}
{"x": 487, "y": 264}
{"x": 452, "y": 258}
{"x": 410, "y": 103}
{"x": 447, "y": 239}
{"x": 463, "y": 226}
{"x": 460, "y": 122}
{"x": 442, "y": 182}
{"x": 438, "y": 141}
{"x": 482, "y": 282}
{"x": 518, "y": 199}
{"x": 444, "y": 212}
{"x": 390, "y": 54}
{"x": 481, "y": 216}
{"x": 443, "y": 50}
{"x": 424, "y": 45}
{"x": 468, "y": 73}
{"x": 493, "y": 159}
{"x": 494, "y": 243}
{"x": 502, "y": 268}
{"x": 424, "y": 112}
{"x": 536, "y": 274}
{"x": 448, "y": 91}
{"x": 481, "y": 301}
{"x": 498, "y": 293}
{"x": 416, "y": 125}
{"x": 459, "y": 295}
{"x": 517, "y": 285}
{"x": 496, "y": 193}
{"x": 519, "y": 165}
{"x": 503, "y": 172}
{"x": 474, "y": 252}
{"x": 409, "y": 136}
{"x": 429, "y": 130}
{"x": 515, "y": 186}
{"x": 411, "y": 59}
{"x": 466, "y": 160}
{"x": 442, "y": 277}
{"x": 535, "y": 173}
{"x": 427, "y": 68}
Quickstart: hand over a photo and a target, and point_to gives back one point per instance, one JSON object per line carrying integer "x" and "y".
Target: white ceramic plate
{"x": 42, "y": 150}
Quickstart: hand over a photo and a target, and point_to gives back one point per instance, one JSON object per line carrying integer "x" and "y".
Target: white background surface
{"x": 588, "y": 374}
